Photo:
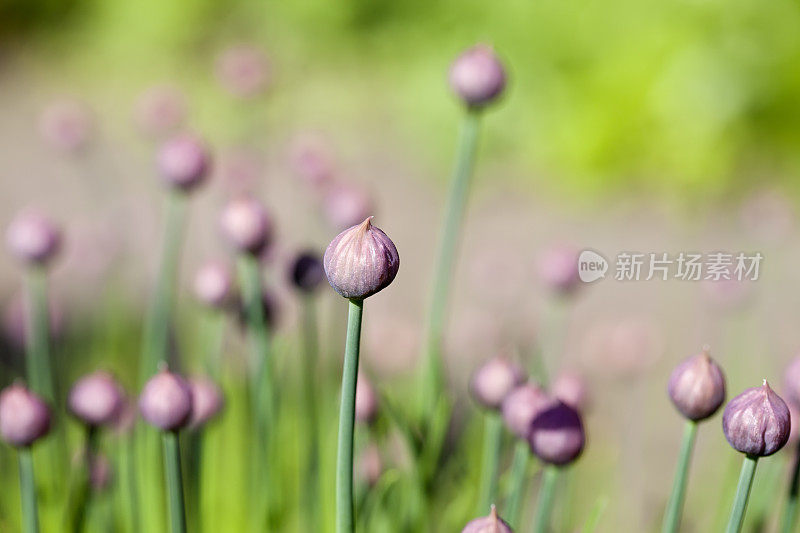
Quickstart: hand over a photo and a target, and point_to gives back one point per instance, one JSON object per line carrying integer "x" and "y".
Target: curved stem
{"x": 445, "y": 257}
{"x": 492, "y": 438}
{"x": 790, "y": 512}
{"x": 345, "y": 519}
{"x": 37, "y": 338}
{"x": 172, "y": 465}
{"x": 541, "y": 522}
{"x": 742, "y": 494}
{"x": 672, "y": 517}
{"x": 27, "y": 486}
{"x": 519, "y": 469}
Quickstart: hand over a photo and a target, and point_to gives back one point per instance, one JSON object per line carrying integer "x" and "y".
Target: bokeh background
{"x": 663, "y": 126}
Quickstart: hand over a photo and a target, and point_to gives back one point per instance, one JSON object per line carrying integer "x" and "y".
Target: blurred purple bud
{"x": 306, "y": 272}
{"x": 366, "y": 400}
{"x": 96, "y": 399}
{"x": 521, "y": 406}
{"x": 32, "y": 237}
{"x": 477, "y": 76}
{"x": 346, "y": 205}
{"x": 571, "y": 389}
{"x": 24, "y": 416}
{"x": 183, "y": 162}
{"x": 247, "y": 225}
{"x": 557, "y": 435}
{"x": 311, "y": 159}
{"x": 558, "y": 269}
{"x": 66, "y": 125}
{"x": 207, "y": 401}
{"x": 697, "y": 387}
{"x": 160, "y": 110}
{"x": 166, "y": 401}
{"x": 243, "y": 71}
{"x": 493, "y": 380}
{"x": 757, "y": 422}
{"x": 213, "y": 284}
{"x": 488, "y": 524}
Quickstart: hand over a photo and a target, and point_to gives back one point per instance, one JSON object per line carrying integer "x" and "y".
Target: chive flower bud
{"x": 247, "y": 225}
{"x": 213, "y": 284}
{"x": 571, "y": 389}
{"x": 488, "y": 524}
{"x": 306, "y": 272}
{"x": 366, "y": 400}
{"x": 493, "y": 380}
{"x": 557, "y": 435}
{"x": 477, "y": 76}
{"x": 33, "y": 238}
{"x": 558, "y": 269}
{"x": 166, "y": 401}
{"x": 24, "y": 416}
{"x": 361, "y": 261}
{"x": 96, "y": 399}
{"x": 521, "y": 406}
{"x": 207, "y": 401}
{"x": 757, "y": 422}
{"x": 183, "y": 162}
{"x": 697, "y": 387}
{"x": 791, "y": 382}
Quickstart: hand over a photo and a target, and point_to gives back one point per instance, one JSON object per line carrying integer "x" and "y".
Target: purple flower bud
{"x": 66, "y": 125}
{"x": 306, "y": 272}
{"x": 159, "y": 110}
{"x": 213, "y": 284}
{"x": 183, "y": 162}
{"x": 558, "y": 269}
{"x": 477, "y": 76}
{"x": 243, "y": 71}
{"x": 24, "y": 416}
{"x": 791, "y": 382}
{"x": 361, "y": 261}
{"x": 247, "y": 225}
{"x": 366, "y": 400}
{"x": 488, "y": 524}
{"x": 33, "y": 238}
{"x": 493, "y": 380}
{"x": 557, "y": 436}
{"x": 96, "y": 399}
{"x": 370, "y": 464}
{"x": 521, "y": 406}
{"x": 571, "y": 389}
{"x": 697, "y": 387}
{"x": 207, "y": 401}
{"x": 346, "y": 205}
{"x": 166, "y": 401}
{"x": 757, "y": 422}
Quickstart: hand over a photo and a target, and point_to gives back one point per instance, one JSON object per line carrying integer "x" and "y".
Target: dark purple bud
{"x": 306, "y": 272}
{"x": 66, "y": 125}
{"x": 96, "y": 399}
{"x": 366, "y": 400}
{"x": 247, "y": 225}
{"x": 183, "y": 162}
{"x": 361, "y": 261}
{"x": 791, "y": 382}
{"x": 557, "y": 436}
{"x": 213, "y": 284}
{"x": 488, "y": 524}
{"x": 160, "y": 110}
{"x": 477, "y": 76}
{"x": 33, "y": 238}
{"x": 697, "y": 387}
{"x": 521, "y": 406}
{"x": 757, "y": 422}
{"x": 346, "y": 205}
{"x": 24, "y": 416}
{"x": 166, "y": 401}
{"x": 493, "y": 380}
{"x": 558, "y": 269}
{"x": 207, "y": 401}
{"x": 243, "y": 71}
{"x": 571, "y": 389}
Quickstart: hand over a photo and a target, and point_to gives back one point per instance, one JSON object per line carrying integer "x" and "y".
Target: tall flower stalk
{"x": 544, "y": 506}
{"x": 38, "y": 362}
{"x": 172, "y": 465}
{"x": 790, "y": 512}
{"x": 519, "y": 468}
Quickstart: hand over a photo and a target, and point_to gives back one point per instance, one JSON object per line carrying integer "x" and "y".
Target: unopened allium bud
{"x": 791, "y": 382}
{"x": 571, "y": 389}
{"x": 361, "y": 261}
{"x": 493, "y": 380}
{"x": 159, "y": 110}
{"x": 183, "y": 162}
{"x": 558, "y": 269}
{"x": 33, "y": 238}
{"x": 521, "y": 406}
{"x": 243, "y": 71}
{"x": 207, "y": 401}
{"x": 477, "y": 76}
{"x": 757, "y": 422}
{"x": 213, "y": 284}
{"x": 246, "y": 224}
{"x": 488, "y": 524}
{"x": 697, "y": 387}
{"x": 366, "y": 400}
{"x": 96, "y": 399}
{"x": 557, "y": 435}
{"x": 66, "y": 125}
{"x": 306, "y": 272}
{"x": 166, "y": 401}
{"x": 24, "y": 416}
{"x": 346, "y": 205}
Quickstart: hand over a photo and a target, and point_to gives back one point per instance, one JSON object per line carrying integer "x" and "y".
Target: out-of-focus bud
{"x": 306, "y": 272}
{"x": 346, "y": 205}
{"x": 213, "y": 284}
{"x": 247, "y": 225}
{"x": 493, "y": 380}
{"x": 207, "y": 401}
{"x": 521, "y": 406}
{"x": 477, "y": 76}
{"x": 557, "y": 435}
{"x": 160, "y": 110}
{"x": 370, "y": 464}
{"x": 488, "y": 524}
{"x": 183, "y": 162}
{"x": 571, "y": 389}
{"x": 757, "y": 422}
{"x": 96, "y": 399}
{"x": 361, "y": 261}
{"x": 33, "y": 238}
{"x": 558, "y": 269}
{"x": 311, "y": 159}
{"x": 24, "y": 416}
{"x": 697, "y": 387}
{"x": 243, "y": 71}
{"x": 66, "y": 125}
{"x": 366, "y": 400}
{"x": 166, "y": 401}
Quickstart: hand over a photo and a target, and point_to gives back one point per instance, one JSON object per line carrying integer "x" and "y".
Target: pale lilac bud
{"x": 521, "y": 406}
{"x": 791, "y": 381}
{"x": 558, "y": 269}
{"x": 493, "y": 380}
{"x": 66, "y": 125}
{"x": 247, "y": 225}
{"x": 488, "y": 524}
{"x": 571, "y": 389}
{"x": 346, "y": 205}
{"x": 207, "y": 401}
{"x": 311, "y": 159}
{"x": 306, "y": 272}
{"x": 24, "y": 416}
{"x": 183, "y": 162}
{"x": 213, "y": 284}
{"x": 243, "y": 71}
{"x": 166, "y": 401}
{"x": 757, "y": 422}
{"x": 160, "y": 110}
{"x": 33, "y": 238}
{"x": 361, "y": 261}
{"x": 557, "y": 435}
{"x": 366, "y": 400}
{"x": 370, "y": 464}
{"x": 697, "y": 387}
{"x": 96, "y": 399}
{"x": 477, "y": 76}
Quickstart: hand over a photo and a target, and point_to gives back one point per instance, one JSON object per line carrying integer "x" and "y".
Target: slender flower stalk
{"x": 38, "y": 363}
{"x": 544, "y": 507}
{"x": 27, "y": 485}
{"x": 79, "y": 495}
{"x": 519, "y": 467}
{"x": 172, "y": 465}
{"x": 492, "y": 439}
{"x": 746, "y": 477}
{"x": 672, "y": 518}
{"x": 790, "y": 512}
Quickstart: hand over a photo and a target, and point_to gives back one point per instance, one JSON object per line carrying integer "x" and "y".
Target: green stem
{"x": 541, "y": 522}
{"x": 492, "y": 438}
{"x": 672, "y": 517}
{"x": 172, "y": 465}
{"x": 311, "y": 353}
{"x": 37, "y": 339}
{"x": 345, "y": 520}
{"x": 790, "y": 512}
{"x": 157, "y": 321}
{"x": 79, "y": 495}
{"x": 519, "y": 469}
{"x": 129, "y": 491}
{"x": 445, "y": 258}
{"x": 742, "y": 494}
{"x": 27, "y": 486}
